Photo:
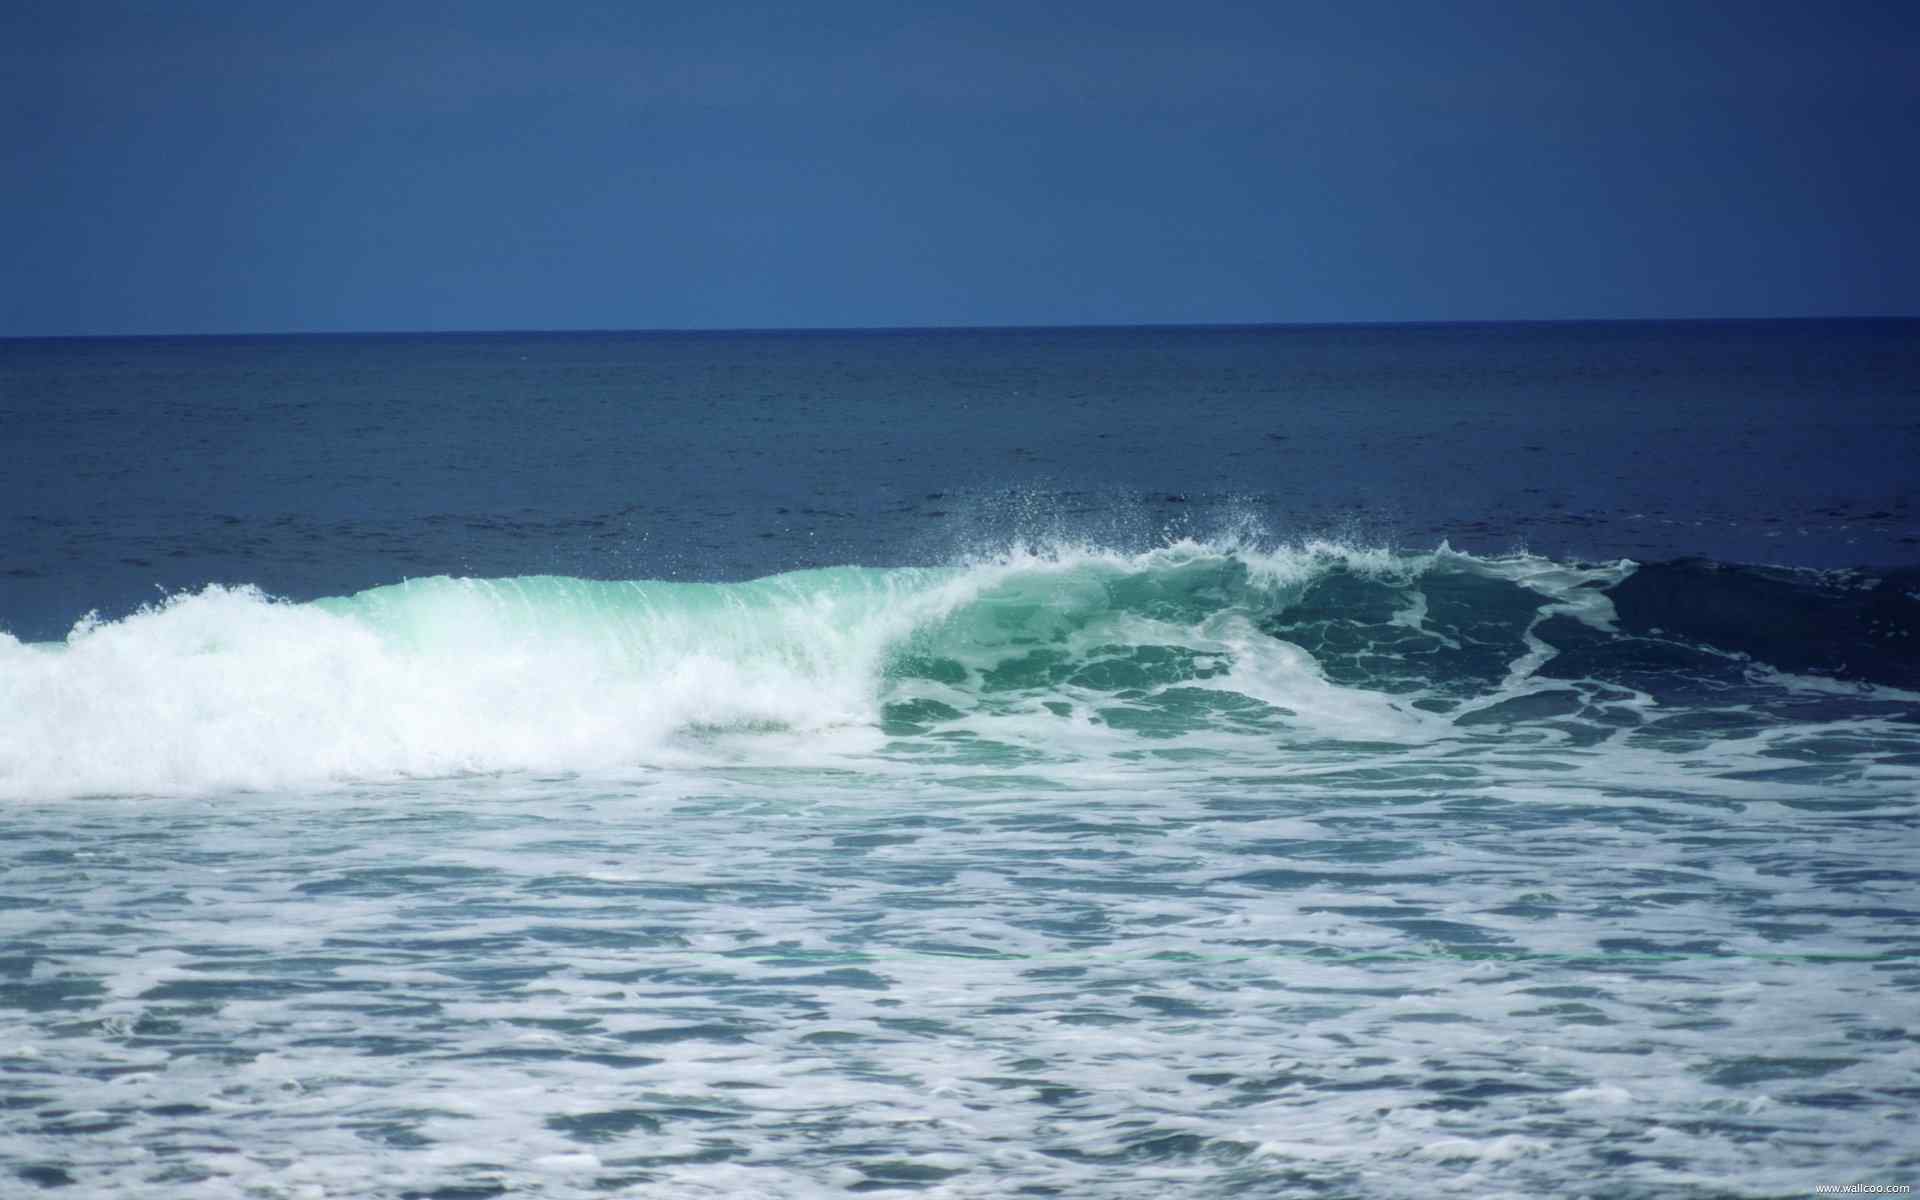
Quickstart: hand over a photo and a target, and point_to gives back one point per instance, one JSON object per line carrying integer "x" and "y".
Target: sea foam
{"x": 228, "y": 688}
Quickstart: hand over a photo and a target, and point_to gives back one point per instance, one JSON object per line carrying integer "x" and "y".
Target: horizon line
{"x": 1118, "y": 326}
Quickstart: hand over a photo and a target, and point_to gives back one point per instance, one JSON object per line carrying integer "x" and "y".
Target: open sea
{"x": 1420, "y": 761}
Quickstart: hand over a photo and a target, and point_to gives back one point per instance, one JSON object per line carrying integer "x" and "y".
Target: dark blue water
{"x": 1439, "y": 761}
{"x": 316, "y": 466}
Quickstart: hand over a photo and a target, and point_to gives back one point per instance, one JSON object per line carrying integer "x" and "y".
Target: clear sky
{"x": 256, "y": 165}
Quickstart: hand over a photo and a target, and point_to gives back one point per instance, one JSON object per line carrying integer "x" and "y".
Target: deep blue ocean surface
{"x": 1401, "y": 761}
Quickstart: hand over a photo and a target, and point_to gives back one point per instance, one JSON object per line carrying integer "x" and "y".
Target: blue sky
{"x": 201, "y": 167}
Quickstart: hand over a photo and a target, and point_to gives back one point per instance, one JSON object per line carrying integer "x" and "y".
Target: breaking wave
{"x": 1068, "y": 650}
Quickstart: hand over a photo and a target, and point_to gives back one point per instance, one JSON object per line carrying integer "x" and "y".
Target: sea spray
{"x": 1203, "y": 644}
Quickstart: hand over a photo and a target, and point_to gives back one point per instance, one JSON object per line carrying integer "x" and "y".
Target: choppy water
{"x": 1230, "y": 861}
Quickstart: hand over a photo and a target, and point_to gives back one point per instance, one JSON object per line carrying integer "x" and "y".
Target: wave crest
{"x": 228, "y": 688}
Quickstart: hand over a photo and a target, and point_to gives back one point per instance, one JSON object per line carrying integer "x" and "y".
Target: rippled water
{"x": 979, "y": 763}
{"x": 1117, "y": 926}
{"x": 1439, "y": 973}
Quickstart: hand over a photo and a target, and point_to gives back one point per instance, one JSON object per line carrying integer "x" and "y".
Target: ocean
{"x": 1456, "y": 760}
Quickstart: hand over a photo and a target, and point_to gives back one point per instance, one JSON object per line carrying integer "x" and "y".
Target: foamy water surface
{"x": 1212, "y": 870}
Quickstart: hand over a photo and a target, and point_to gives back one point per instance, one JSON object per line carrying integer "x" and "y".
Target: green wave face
{"x": 1188, "y": 640}
{"x": 1065, "y": 655}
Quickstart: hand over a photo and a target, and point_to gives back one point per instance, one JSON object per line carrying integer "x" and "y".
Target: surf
{"x": 1062, "y": 649}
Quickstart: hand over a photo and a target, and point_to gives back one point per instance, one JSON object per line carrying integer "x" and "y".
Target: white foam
{"x": 227, "y": 689}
